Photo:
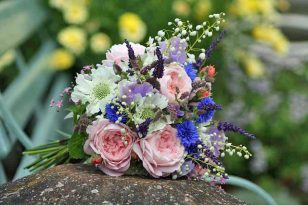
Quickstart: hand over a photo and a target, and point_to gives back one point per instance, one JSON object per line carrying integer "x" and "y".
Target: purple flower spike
{"x": 130, "y": 90}
{"x": 177, "y": 54}
{"x": 214, "y": 44}
{"x": 229, "y": 127}
{"x": 131, "y": 55}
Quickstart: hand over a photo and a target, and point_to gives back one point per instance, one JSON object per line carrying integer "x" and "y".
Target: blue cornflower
{"x": 111, "y": 113}
{"x": 193, "y": 149}
{"x": 187, "y": 132}
{"x": 209, "y": 106}
{"x": 191, "y": 71}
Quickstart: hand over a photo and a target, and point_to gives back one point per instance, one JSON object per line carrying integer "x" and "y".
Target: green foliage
{"x": 77, "y": 110}
{"x": 75, "y": 146}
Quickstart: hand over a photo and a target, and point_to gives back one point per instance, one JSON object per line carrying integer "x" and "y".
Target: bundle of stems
{"x": 49, "y": 155}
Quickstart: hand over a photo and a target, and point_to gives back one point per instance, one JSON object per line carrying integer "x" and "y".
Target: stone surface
{"x": 83, "y": 184}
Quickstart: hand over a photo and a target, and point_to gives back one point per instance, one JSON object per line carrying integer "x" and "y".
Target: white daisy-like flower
{"x": 97, "y": 89}
{"x": 148, "y": 106}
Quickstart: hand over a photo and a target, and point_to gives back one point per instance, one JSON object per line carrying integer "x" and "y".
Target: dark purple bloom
{"x": 130, "y": 90}
{"x": 178, "y": 54}
{"x": 159, "y": 68}
{"x": 131, "y": 56}
{"x": 144, "y": 127}
{"x": 175, "y": 110}
{"x": 229, "y": 127}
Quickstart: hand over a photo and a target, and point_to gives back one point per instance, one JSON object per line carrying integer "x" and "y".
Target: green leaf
{"x": 75, "y": 146}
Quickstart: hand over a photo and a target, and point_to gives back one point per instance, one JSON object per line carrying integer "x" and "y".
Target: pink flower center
{"x": 116, "y": 145}
{"x": 175, "y": 82}
{"x": 166, "y": 144}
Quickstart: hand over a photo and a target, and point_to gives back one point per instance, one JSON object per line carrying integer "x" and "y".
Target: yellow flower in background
{"x": 272, "y": 36}
{"x": 131, "y": 27}
{"x": 181, "y": 8}
{"x": 202, "y": 9}
{"x": 73, "y": 38}
{"x": 75, "y": 13}
{"x": 6, "y": 59}
{"x": 253, "y": 66}
{"x": 248, "y": 8}
{"x": 100, "y": 42}
{"x": 61, "y": 59}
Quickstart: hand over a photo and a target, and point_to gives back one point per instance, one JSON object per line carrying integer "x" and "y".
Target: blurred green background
{"x": 262, "y": 66}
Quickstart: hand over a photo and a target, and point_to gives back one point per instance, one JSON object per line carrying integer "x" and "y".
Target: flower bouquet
{"x": 148, "y": 108}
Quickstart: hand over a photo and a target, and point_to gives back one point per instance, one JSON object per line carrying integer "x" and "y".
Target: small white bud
{"x": 216, "y": 15}
{"x": 202, "y": 56}
{"x": 180, "y": 23}
{"x": 209, "y": 34}
{"x": 239, "y": 154}
{"x": 246, "y": 156}
{"x": 161, "y": 33}
{"x": 193, "y": 33}
{"x": 210, "y": 16}
{"x": 124, "y": 96}
{"x": 177, "y": 20}
{"x": 169, "y": 23}
{"x": 222, "y": 154}
{"x": 177, "y": 30}
{"x": 184, "y": 32}
{"x": 198, "y": 27}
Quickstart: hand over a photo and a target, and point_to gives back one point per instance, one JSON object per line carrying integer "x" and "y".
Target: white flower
{"x": 148, "y": 106}
{"x": 160, "y": 124}
{"x": 97, "y": 89}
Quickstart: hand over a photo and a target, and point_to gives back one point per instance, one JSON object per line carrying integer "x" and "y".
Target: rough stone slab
{"x": 83, "y": 184}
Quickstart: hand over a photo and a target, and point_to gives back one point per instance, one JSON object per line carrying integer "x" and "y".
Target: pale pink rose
{"x": 118, "y": 53}
{"x": 114, "y": 147}
{"x": 160, "y": 152}
{"x": 174, "y": 77}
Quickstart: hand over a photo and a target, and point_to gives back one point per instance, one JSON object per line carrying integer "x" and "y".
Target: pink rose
{"x": 113, "y": 142}
{"x": 118, "y": 53}
{"x": 160, "y": 152}
{"x": 174, "y": 77}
